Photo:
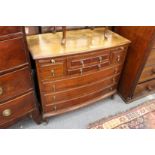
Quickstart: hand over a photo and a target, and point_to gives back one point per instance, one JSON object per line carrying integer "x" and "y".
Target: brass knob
{"x": 122, "y": 48}
{"x": 81, "y": 71}
{"x": 100, "y": 59}
{"x": 52, "y": 61}
{"x": 82, "y": 63}
{"x": 1, "y": 90}
{"x": 116, "y": 70}
{"x": 53, "y": 72}
{"x": 6, "y": 112}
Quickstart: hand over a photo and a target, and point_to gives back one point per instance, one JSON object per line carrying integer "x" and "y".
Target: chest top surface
{"x": 78, "y": 41}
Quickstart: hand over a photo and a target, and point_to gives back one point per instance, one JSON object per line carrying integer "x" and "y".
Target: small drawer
{"x": 15, "y": 83}
{"x": 118, "y": 57}
{"x": 16, "y": 108}
{"x": 51, "y": 61}
{"x": 145, "y": 88}
{"x": 5, "y": 30}
{"x": 49, "y": 72}
{"x": 72, "y": 82}
{"x": 148, "y": 73}
{"x": 89, "y": 59}
{"x": 12, "y": 54}
{"x": 84, "y": 70}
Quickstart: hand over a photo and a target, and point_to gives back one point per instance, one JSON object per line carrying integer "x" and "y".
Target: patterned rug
{"x": 140, "y": 117}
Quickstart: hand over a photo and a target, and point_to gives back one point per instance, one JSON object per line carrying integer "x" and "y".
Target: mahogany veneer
{"x": 81, "y": 72}
{"x": 138, "y": 77}
{"x": 17, "y": 98}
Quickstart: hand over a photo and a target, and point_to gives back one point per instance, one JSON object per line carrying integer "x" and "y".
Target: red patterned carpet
{"x": 140, "y": 117}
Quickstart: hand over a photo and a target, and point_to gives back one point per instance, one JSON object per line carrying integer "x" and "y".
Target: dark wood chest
{"x": 17, "y": 97}
{"x": 79, "y": 73}
{"x": 138, "y": 77}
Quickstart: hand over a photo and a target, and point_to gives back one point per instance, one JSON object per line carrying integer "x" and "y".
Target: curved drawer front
{"x": 68, "y": 83}
{"x": 148, "y": 73}
{"x": 16, "y": 108}
{"x": 83, "y": 100}
{"x": 12, "y": 54}
{"x": 79, "y": 91}
{"x": 15, "y": 83}
{"x": 145, "y": 88}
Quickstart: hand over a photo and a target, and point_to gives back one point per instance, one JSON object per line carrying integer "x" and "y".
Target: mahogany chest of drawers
{"x": 138, "y": 77}
{"x": 83, "y": 71}
{"x": 16, "y": 85}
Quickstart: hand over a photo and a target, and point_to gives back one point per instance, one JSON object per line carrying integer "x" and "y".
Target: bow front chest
{"x": 84, "y": 70}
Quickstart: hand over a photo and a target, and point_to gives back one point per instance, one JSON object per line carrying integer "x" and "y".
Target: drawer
{"x": 81, "y": 71}
{"x": 5, "y": 30}
{"x": 16, "y": 108}
{"x": 145, "y": 88}
{"x": 85, "y": 60}
{"x": 15, "y": 83}
{"x": 78, "y": 102}
{"x": 72, "y": 82}
{"x": 12, "y": 54}
{"x": 118, "y": 57}
{"x": 151, "y": 58}
{"x": 50, "y": 69}
{"x": 53, "y": 98}
{"x": 148, "y": 73}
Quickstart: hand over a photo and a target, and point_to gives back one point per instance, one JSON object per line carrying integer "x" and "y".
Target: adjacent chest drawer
{"x": 151, "y": 58}
{"x": 148, "y": 73}
{"x": 12, "y": 54}
{"x": 80, "y": 91}
{"x": 68, "y": 83}
{"x": 89, "y": 59}
{"x": 5, "y": 30}
{"x": 145, "y": 88}
{"x": 17, "y": 107}
{"x": 15, "y": 83}
{"x": 49, "y": 69}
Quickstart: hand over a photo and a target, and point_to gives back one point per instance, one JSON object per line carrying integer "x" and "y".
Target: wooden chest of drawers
{"x": 138, "y": 77}
{"x": 74, "y": 76}
{"x": 17, "y": 97}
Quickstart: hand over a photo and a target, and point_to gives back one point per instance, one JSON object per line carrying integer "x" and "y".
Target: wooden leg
{"x": 36, "y": 116}
{"x": 113, "y": 97}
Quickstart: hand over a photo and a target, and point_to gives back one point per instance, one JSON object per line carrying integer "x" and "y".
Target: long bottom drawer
{"x": 16, "y": 108}
{"x": 78, "y": 102}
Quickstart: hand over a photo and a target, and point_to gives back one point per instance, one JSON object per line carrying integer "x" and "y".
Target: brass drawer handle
{"x": 53, "y": 72}
{"x": 1, "y": 90}
{"x": 54, "y": 98}
{"x": 99, "y": 66}
{"x": 100, "y": 59}
{"x": 118, "y": 58}
{"x": 116, "y": 70}
{"x": 122, "y": 48}
{"x": 7, "y": 112}
{"x": 82, "y": 63}
{"x": 52, "y": 61}
{"x": 81, "y": 71}
{"x": 55, "y": 108}
{"x": 53, "y": 88}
